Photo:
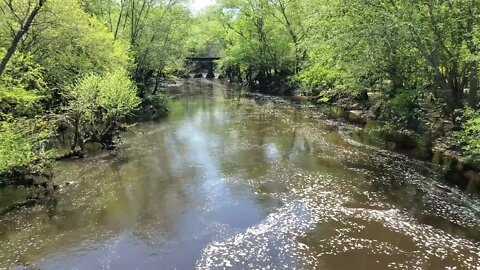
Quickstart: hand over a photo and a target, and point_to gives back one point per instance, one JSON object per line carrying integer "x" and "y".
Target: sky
{"x": 198, "y": 5}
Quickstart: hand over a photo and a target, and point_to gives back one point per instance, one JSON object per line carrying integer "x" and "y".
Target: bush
{"x": 403, "y": 112}
{"x": 469, "y": 136}
{"x": 154, "y": 106}
{"x": 23, "y": 149}
{"x": 98, "y": 105}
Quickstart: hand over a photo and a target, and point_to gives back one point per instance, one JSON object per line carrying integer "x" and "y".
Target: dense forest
{"x": 89, "y": 68}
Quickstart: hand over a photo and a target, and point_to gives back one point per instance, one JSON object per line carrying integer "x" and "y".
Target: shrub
{"x": 469, "y": 136}
{"x": 98, "y": 105}
{"x": 155, "y": 106}
{"x": 403, "y": 111}
{"x": 23, "y": 148}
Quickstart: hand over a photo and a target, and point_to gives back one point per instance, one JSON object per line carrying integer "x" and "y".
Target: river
{"x": 227, "y": 182}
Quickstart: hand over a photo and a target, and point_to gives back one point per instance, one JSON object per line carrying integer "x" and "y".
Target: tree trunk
{"x": 473, "y": 81}
{"x": 119, "y": 19}
{"x": 19, "y": 35}
{"x": 76, "y": 135}
{"x": 157, "y": 83}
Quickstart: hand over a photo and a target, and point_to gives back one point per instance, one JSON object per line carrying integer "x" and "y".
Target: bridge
{"x": 209, "y": 61}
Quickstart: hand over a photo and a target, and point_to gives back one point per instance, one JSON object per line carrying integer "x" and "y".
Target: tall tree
{"x": 24, "y": 21}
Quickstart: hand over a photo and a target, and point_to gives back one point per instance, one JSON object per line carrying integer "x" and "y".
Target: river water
{"x": 226, "y": 182}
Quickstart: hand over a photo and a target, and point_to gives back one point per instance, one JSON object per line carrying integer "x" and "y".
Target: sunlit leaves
{"x": 469, "y": 137}
{"x": 98, "y": 104}
{"x": 23, "y": 146}
{"x": 22, "y": 87}
{"x": 110, "y": 96}
{"x": 71, "y": 43}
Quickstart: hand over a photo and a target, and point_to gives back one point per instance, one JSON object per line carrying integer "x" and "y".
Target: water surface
{"x": 231, "y": 182}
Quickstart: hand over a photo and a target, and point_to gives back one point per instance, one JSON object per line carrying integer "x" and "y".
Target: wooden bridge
{"x": 209, "y": 60}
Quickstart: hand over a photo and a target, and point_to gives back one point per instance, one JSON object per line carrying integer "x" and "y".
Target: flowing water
{"x": 226, "y": 182}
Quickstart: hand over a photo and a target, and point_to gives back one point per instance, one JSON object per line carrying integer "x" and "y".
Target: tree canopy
{"x": 82, "y": 67}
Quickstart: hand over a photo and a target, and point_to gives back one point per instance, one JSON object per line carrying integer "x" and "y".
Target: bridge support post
{"x": 210, "y": 74}
{"x": 210, "y": 64}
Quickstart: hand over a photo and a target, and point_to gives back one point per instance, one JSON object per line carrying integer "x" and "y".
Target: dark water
{"x": 228, "y": 182}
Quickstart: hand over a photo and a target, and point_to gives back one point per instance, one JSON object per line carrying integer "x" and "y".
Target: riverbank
{"x": 457, "y": 169}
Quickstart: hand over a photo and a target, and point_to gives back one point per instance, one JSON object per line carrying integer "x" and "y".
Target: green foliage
{"x": 322, "y": 75}
{"x": 155, "y": 106}
{"x": 324, "y": 100}
{"x": 99, "y": 104}
{"x": 74, "y": 43}
{"x": 23, "y": 147}
{"x": 257, "y": 47}
{"x": 113, "y": 95}
{"x": 393, "y": 47}
{"x": 21, "y": 88}
{"x": 162, "y": 48}
{"x": 469, "y": 137}
{"x": 83, "y": 63}
{"x": 403, "y": 112}
{"x": 155, "y": 30}
{"x": 207, "y": 35}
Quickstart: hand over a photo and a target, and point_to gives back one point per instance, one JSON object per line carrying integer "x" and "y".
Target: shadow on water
{"x": 232, "y": 182}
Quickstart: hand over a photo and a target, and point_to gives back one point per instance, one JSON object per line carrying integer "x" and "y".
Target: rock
{"x": 374, "y": 96}
{"x": 356, "y": 112}
{"x": 355, "y": 107}
{"x": 198, "y": 76}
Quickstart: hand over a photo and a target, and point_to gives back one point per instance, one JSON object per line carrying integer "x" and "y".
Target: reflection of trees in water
{"x": 196, "y": 87}
{"x": 150, "y": 188}
{"x": 125, "y": 192}
{"x": 270, "y": 139}
{"x": 252, "y": 132}
{"x": 389, "y": 180}
{"x": 51, "y": 205}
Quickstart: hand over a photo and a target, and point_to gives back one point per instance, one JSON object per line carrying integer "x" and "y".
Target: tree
{"x": 24, "y": 23}
{"x": 69, "y": 43}
{"x": 256, "y": 44}
{"x": 64, "y": 46}
{"x": 296, "y": 17}
{"x": 22, "y": 88}
{"x": 161, "y": 49}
